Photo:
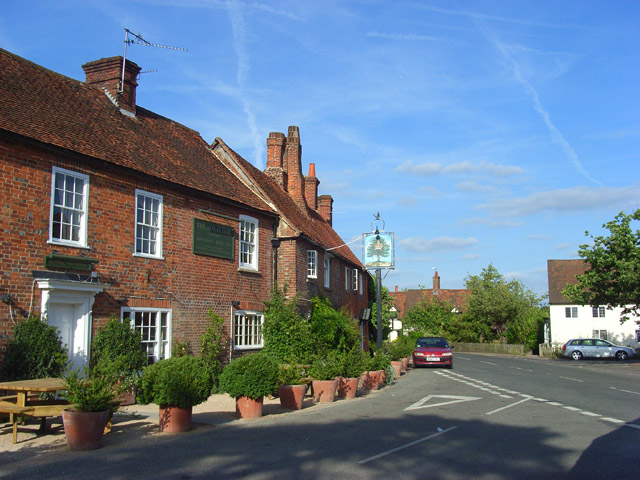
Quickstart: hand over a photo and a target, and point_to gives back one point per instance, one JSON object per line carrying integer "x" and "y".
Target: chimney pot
{"x": 106, "y": 73}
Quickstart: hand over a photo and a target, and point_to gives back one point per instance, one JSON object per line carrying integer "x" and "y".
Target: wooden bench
{"x": 41, "y": 410}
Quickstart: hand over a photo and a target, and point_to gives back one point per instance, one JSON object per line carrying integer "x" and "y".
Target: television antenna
{"x": 138, "y": 40}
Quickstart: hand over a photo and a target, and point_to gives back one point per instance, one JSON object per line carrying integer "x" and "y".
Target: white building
{"x": 569, "y": 320}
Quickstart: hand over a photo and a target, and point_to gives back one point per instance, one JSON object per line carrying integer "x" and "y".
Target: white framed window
{"x": 148, "y": 224}
{"x": 327, "y": 271}
{"x": 312, "y": 264}
{"x": 598, "y": 312}
{"x": 601, "y": 334}
{"x": 69, "y": 206}
{"x": 354, "y": 280}
{"x": 637, "y": 335}
{"x": 571, "y": 312}
{"x": 360, "y": 291}
{"x": 248, "y": 243}
{"x": 247, "y": 330}
{"x": 347, "y": 278}
{"x": 154, "y": 326}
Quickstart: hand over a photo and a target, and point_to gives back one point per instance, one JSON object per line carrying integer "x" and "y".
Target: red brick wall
{"x": 189, "y": 284}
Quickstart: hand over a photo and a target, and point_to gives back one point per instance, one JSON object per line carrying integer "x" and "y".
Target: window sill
{"x": 65, "y": 244}
{"x": 248, "y": 347}
{"x": 249, "y": 270}
{"x": 142, "y": 255}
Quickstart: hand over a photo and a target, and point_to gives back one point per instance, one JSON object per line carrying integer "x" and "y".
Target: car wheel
{"x": 576, "y": 355}
{"x": 450, "y": 366}
{"x": 621, "y": 355}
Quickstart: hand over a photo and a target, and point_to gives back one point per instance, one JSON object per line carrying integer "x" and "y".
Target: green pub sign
{"x": 213, "y": 239}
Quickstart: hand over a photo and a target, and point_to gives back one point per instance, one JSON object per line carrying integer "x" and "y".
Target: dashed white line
{"x": 490, "y": 363}
{"x": 612, "y": 420}
{"x": 590, "y": 414}
{"x": 508, "y": 406}
{"x": 402, "y": 447}
{"x": 625, "y": 391}
{"x": 573, "y": 409}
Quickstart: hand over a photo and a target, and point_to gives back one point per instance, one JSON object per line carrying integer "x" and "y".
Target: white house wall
{"x": 563, "y": 329}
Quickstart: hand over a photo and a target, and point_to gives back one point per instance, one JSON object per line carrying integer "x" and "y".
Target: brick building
{"x": 111, "y": 209}
{"x": 407, "y": 299}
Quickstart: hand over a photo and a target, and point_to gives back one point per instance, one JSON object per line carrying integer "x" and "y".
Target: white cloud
{"x": 459, "y": 168}
{"x": 421, "y": 244}
{"x": 564, "y": 200}
{"x": 472, "y": 187}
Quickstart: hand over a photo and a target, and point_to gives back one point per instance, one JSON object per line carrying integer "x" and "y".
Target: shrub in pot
{"x": 292, "y": 386}
{"x": 248, "y": 379}
{"x": 324, "y": 370}
{"x": 93, "y": 400}
{"x": 175, "y": 384}
{"x": 352, "y": 363}
{"x": 117, "y": 353}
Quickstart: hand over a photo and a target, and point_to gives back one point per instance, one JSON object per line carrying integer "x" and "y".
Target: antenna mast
{"x": 139, "y": 41}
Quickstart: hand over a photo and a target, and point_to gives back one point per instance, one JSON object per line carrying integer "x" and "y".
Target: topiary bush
{"x": 95, "y": 393}
{"x": 34, "y": 351}
{"x": 253, "y": 376}
{"x": 175, "y": 382}
{"x": 327, "y": 366}
{"x": 117, "y": 353}
{"x": 353, "y": 362}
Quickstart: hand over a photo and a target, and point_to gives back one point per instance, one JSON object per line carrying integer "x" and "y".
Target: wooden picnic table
{"x": 20, "y": 402}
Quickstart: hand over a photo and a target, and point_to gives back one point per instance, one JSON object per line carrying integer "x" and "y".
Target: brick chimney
{"x": 275, "y": 152}
{"x": 311, "y": 187}
{"x": 436, "y": 283}
{"x": 106, "y": 73}
{"x": 293, "y": 166}
{"x": 325, "y": 208}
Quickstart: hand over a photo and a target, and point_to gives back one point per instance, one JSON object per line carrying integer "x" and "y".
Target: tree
{"x": 429, "y": 316}
{"x": 613, "y": 277}
{"x": 495, "y": 304}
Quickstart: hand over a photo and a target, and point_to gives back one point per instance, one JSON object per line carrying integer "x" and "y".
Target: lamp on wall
{"x": 6, "y": 298}
{"x": 235, "y": 303}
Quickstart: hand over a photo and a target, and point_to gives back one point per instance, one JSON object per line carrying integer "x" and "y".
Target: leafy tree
{"x": 613, "y": 278}
{"x": 332, "y": 329}
{"x": 214, "y": 344}
{"x": 429, "y": 316}
{"x": 287, "y": 336}
{"x": 35, "y": 351}
{"x": 495, "y": 303}
{"x": 527, "y": 329}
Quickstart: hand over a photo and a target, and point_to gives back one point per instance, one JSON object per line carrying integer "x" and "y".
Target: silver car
{"x": 578, "y": 348}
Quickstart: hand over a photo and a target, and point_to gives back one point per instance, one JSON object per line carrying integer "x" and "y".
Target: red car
{"x": 432, "y": 351}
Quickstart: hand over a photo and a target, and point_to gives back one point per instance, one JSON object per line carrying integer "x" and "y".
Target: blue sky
{"x": 482, "y": 131}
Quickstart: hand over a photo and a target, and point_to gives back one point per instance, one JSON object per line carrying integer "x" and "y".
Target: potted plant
{"x": 292, "y": 386}
{"x": 116, "y": 352}
{"x": 324, "y": 370}
{"x": 175, "y": 384}
{"x": 248, "y": 379}
{"x": 352, "y": 364}
{"x": 92, "y": 399}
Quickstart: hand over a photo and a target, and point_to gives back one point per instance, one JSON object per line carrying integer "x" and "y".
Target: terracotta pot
{"x": 128, "y": 397}
{"x": 324, "y": 390}
{"x": 291, "y": 396}
{"x": 174, "y": 419}
{"x": 397, "y": 367}
{"x": 371, "y": 380}
{"x": 84, "y": 430}
{"x": 405, "y": 364}
{"x": 383, "y": 378}
{"x": 347, "y": 387}
{"x": 249, "y": 407}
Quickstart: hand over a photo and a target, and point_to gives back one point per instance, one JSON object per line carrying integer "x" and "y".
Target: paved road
{"x": 490, "y": 417}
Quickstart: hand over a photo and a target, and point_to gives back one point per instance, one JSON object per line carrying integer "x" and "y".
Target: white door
{"x": 72, "y": 326}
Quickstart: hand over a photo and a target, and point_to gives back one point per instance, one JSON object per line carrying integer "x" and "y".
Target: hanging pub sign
{"x": 213, "y": 239}
{"x": 379, "y": 250}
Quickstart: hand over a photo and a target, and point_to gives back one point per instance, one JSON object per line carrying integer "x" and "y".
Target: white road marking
{"x": 590, "y": 414}
{"x": 451, "y": 399}
{"x": 508, "y": 406}
{"x": 613, "y": 420}
{"x": 397, "y": 449}
{"x": 573, "y": 409}
{"x": 573, "y": 379}
{"x": 490, "y": 363}
{"x": 555, "y": 404}
{"x": 625, "y": 391}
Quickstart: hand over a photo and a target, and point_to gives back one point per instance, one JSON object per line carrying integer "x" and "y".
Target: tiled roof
{"x": 309, "y": 223}
{"x": 560, "y": 274}
{"x": 56, "y": 110}
{"x": 406, "y": 300}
